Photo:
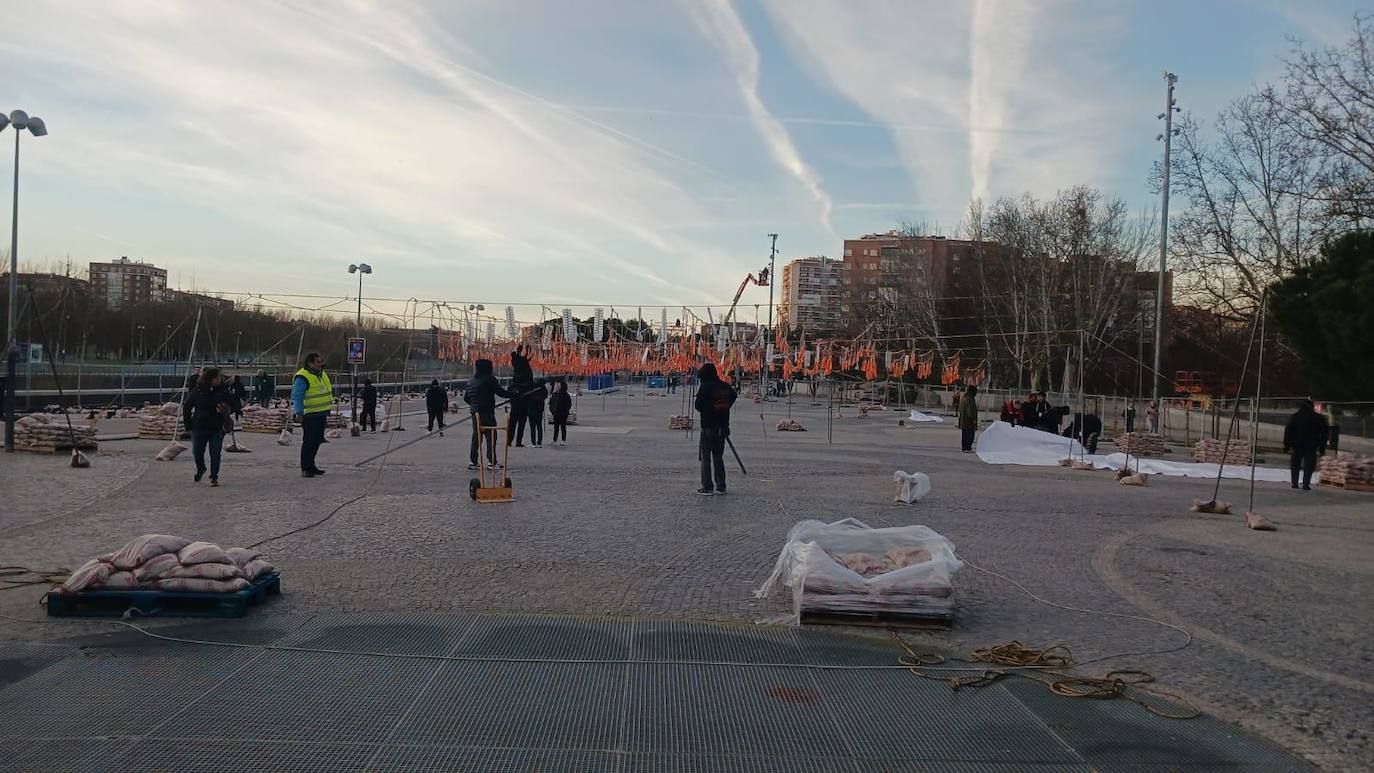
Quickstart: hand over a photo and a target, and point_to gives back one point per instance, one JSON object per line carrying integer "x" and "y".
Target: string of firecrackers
{"x": 977, "y": 374}
{"x": 949, "y": 373}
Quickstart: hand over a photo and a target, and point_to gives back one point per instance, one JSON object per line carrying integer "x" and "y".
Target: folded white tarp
{"x": 1002, "y": 443}
{"x": 918, "y": 416}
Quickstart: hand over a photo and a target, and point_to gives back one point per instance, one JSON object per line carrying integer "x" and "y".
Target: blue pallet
{"x": 162, "y": 603}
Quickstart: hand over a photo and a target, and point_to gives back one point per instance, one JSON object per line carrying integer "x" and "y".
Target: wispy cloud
{"x": 719, "y": 21}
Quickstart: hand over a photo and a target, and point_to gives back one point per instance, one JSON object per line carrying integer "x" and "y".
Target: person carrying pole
{"x": 521, "y": 381}
{"x": 713, "y": 401}
{"x": 480, "y": 395}
{"x": 1304, "y": 439}
{"x": 312, "y": 397}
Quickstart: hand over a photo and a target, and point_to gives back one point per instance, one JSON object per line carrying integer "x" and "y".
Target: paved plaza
{"x": 607, "y": 532}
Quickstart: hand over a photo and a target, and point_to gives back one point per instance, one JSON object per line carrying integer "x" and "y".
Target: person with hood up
{"x": 521, "y": 381}
{"x": 535, "y": 407}
{"x": 367, "y": 415}
{"x": 1304, "y": 439}
{"x": 436, "y": 403}
{"x": 560, "y": 407}
{"x": 206, "y": 413}
{"x": 968, "y": 417}
{"x": 714, "y": 400}
{"x": 240, "y": 395}
{"x": 480, "y": 395}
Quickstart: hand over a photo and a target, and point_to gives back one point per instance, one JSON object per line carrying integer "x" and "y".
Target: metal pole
{"x": 1170, "y": 79}
{"x": 357, "y": 333}
{"x": 12, "y": 347}
{"x": 768, "y": 341}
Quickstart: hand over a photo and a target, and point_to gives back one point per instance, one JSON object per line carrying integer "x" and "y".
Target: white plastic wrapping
{"x": 904, "y": 570}
{"x": 914, "y": 486}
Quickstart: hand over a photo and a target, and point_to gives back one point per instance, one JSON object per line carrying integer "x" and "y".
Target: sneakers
{"x": 472, "y": 466}
{"x": 318, "y": 471}
{"x": 1295, "y": 485}
{"x": 307, "y": 474}
{"x": 214, "y": 482}
{"x": 720, "y": 491}
{"x": 201, "y": 474}
{"x": 1306, "y": 487}
{"x": 706, "y": 492}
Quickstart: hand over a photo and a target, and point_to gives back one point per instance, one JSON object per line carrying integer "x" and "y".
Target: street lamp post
{"x": 359, "y": 269}
{"x": 238, "y": 339}
{"x": 138, "y": 355}
{"x": 36, "y": 127}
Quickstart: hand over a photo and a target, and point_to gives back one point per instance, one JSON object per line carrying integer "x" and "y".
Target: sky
{"x": 602, "y": 152}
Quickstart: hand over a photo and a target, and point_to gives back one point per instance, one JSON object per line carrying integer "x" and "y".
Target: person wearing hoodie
{"x": 480, "y": 395}
{"x": 436, "y": 403}
{"x": 521, "y": 381}
{"x": 367, "y": 415}
{"x": 1304, "y": 439}
{"x": 535, "y": 407}
{"x": 713, "y": 401}
{"x": 560, "y": 407}
{"x": 240, "y": 395}
{"x": 206, "y": 414}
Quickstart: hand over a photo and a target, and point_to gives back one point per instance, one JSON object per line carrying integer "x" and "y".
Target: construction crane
{"x": 761, "y": 280}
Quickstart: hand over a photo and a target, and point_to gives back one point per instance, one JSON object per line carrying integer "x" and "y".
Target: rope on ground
{"x": 1049, "y": 667}
{"x": 12, "y": 577}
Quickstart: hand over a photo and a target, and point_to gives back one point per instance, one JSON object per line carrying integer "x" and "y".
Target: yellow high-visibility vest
{"x": 319, "y": 393}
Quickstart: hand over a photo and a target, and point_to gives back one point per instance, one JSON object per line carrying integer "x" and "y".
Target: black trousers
{"x": 515, "y": 427}
{"x": 1306, "y": 459}
{"x": 202, "y": 440}
{"x": 312, "y": 436}
{"x": 435, "y": 414}
{"x": 712, "y": 451}
{"x": 488, "y": 428}
{"x": 560, "y": 429}
{"x": 536, "y": 419}
{"x": 1130, "y": 423}
{"x": 367, "y": 417}
{"x": 967, "y": 439}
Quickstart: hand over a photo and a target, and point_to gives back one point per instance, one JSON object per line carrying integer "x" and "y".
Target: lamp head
{"x": 4, "y": 121}
{"x": 37, "y": 128}
{"x": 352, "y": 268}
{"x": 363, "y": 267}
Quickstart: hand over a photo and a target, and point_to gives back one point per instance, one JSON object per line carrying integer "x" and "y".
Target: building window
{"x": 848, "y": 252}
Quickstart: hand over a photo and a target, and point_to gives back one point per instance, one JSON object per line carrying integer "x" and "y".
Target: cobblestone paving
{"x": 609, "y": 525}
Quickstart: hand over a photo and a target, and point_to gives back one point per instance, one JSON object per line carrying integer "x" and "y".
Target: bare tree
{"x": 1248, "y": 219}
{"x": 1328, "y": 103}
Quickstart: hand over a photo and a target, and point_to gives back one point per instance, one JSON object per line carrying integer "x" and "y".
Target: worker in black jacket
{"x": 560, "y": 408}
{"x": 368, "y": 413}
{"x": 713, "y": 402}
{"x": 521, "y": 382}
{"x": 206, "y": 414}
{"x": 240, "y": 395}
{"x": 1305, "y": 439}
{"x": 480, "y": 395}
{"x": 436, "y": 403}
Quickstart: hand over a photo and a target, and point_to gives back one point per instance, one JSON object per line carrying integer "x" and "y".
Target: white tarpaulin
{"x": 1002, "y": 443}
{"x": 918, "y": 416}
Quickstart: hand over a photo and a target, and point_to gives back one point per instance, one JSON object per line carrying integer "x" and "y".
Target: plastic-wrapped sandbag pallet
{"x": 162, "y": 603}
{"x": 848, "y": 573}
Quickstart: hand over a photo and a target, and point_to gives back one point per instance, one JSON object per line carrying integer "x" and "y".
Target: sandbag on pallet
{"x": 846, "y": 568}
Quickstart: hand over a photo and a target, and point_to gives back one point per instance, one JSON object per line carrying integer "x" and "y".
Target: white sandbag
{"x": 93, "y": 572}
{"x": 241, "y": 556}
{"x": 140, "y": 549}
{"x": 257, "y": 568}
{"x": 200, "y": 585}
{"x": 207, "y": 571}
{"x": 171, "y": 451}
{"x": 155, "y": 567}
{"x": 386, "y": 425}
{"x": 919, "y": 416}
{"x": 914, "y": 485}
{"x": 203, "y": 553}
{"x": 332, "y": 434}
{"x": 120, "y": 581}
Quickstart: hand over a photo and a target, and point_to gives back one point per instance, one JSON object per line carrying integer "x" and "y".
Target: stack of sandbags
{"x": 676, "y": 422}
{"x": 266, "y": 420}
{"x": 790, "y": 425}
{"x": 49, "y": 432}
{"x": 1346, "y": 468}
{"x": 848, "y": 569}
{"x": 159, "y": 422}
{"x": 126, "y": 413}
{"x": 165, "y": 562}
{"x": 336, "y": 421}
{"x": 1211, "y": 450}
{"x": 1142, "y": 443}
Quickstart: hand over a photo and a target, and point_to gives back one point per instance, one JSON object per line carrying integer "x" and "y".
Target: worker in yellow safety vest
{"x": 313, "y": 398}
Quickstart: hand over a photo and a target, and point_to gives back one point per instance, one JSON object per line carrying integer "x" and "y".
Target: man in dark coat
{"x": 521, "y": 381}
{"x": 240, "y": 395}
{"x": 1090, "y": 432}
{"x": 367, "y": 416}
{"x": 436, "y": 403}
{"x": 713, "y": 402}
{"x": 1305, "y": 439}
{"x": 480, "y": 395}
